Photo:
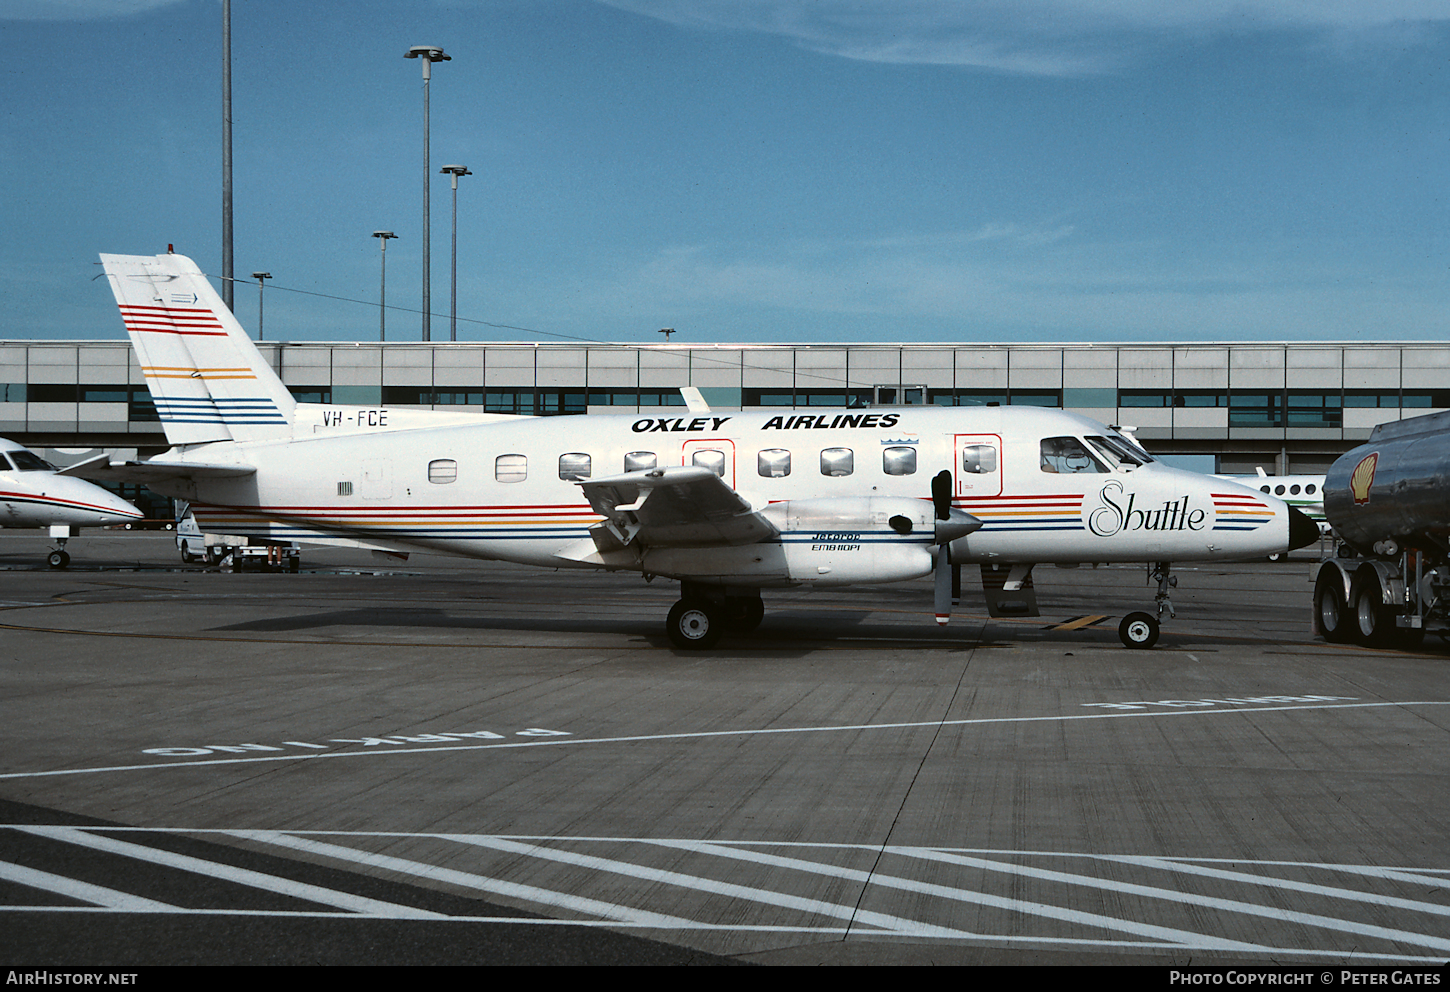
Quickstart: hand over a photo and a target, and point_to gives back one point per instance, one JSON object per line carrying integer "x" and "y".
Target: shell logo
{"x": 1363, "y": 477}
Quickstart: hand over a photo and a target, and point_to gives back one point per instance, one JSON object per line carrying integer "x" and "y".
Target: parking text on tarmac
{"x": 454, "y": 737}
{"x": 1227, "y": 701}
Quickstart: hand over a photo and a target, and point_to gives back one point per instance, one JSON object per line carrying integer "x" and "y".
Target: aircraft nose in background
{"x": 1302, "y": 531}
{"x": 105, "y": 505}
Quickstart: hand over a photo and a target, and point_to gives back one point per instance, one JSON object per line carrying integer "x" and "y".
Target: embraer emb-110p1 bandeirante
{"x": 34, "y": 493}
{"x": 728, "y": 503}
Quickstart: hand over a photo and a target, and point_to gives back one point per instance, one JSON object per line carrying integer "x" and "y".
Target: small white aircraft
{"x": 728, "y": 503}
{"x": 1303, "y": 492}
{"x": 34, "y": 493}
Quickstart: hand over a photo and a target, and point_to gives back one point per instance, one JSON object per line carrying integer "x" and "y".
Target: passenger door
{"x": 978, "y": 465}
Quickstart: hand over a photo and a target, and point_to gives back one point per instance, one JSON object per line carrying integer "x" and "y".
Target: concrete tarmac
{"x": 444, "y": 761}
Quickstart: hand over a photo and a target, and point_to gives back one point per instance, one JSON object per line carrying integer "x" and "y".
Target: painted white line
{"x": 1170, "y": 936}
{"x": 1415, "y": 876}
{"x": 75, "y": 889}
{"x": 707, "y": 734}
{"x": 741, "y": 850}
{"x": 1212, "y": 902}
{"x": 891, "y": 924}
{"x": 480, "y": 883}
{"x": 1351, "y": 895}
{"x": 1341, "y": 956}
{"x": 230, "y": 873}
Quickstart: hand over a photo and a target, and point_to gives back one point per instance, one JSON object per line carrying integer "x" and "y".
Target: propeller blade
{"x": 941, "y": 494}
{"x": 943, "y": 585}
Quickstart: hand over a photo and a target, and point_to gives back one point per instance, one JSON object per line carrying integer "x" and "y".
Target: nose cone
{"x": 90, "y": 505}
{"x": 1302, "y": 531}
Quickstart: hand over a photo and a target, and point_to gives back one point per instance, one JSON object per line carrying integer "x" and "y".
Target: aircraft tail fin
{"x": 208, "y": 380}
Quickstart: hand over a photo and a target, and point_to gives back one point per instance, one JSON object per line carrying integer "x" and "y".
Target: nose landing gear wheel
{"x": 58, "y": 559}
{"x": 1139, "y": 630}
{"x": 693, "y": 625}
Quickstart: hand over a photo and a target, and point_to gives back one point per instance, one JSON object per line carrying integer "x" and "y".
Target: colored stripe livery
{"x": 209, "y": 410}
{"x": 187, "y": 321}
{"x": 1000, "y": 514}
{"x": 1238, "y": 511}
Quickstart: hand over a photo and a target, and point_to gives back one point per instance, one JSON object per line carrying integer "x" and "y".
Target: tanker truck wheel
{"x": 1373, "y": 622}
{"x": 1330, "y": 608}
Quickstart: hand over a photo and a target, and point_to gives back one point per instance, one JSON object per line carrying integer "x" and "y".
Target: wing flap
{"x": 684, "y": 506}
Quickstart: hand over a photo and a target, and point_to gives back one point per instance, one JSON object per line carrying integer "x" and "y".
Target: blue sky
{"x": 748, "y": 170}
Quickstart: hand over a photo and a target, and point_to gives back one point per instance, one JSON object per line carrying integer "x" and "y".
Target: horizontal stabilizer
{"x": 102, "y": 469}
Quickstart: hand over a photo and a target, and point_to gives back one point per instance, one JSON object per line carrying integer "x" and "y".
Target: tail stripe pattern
{"x": 208, "y": 380}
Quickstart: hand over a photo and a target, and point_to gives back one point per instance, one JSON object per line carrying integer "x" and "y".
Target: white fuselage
{"x": 32, "y": 495}
{"x": 494, "y": 490}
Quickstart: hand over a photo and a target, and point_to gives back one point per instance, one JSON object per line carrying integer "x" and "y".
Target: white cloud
{"x": 77, "y": 10}
{"x": 1036, "y": 37}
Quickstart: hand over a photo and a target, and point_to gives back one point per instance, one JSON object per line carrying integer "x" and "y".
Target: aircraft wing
{"x": 102, "y": 469}
{"x": 682, "y": 506}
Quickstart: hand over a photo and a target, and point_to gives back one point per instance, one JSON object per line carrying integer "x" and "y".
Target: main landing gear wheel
{"x": 744, "y": 613}
{"x": 694, "y": 624}
{"x": 58, "y": 559}
{"x": 1139, "y": 630}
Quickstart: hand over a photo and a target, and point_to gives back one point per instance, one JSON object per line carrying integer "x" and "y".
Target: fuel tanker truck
{"x": 1389, "y": 504}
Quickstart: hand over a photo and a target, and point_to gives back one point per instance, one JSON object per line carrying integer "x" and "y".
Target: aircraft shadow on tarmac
{"x": 788, "y": 632}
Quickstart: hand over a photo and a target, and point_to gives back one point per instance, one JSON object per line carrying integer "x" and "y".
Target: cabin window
{"x": 1309, "y": 489}
{"x": 1279, "y": 489}
{"x": 511, "y": 468}
{"x": 1068, "y": 456}
{"x": 710, "y": 458}
{"x": 837, "y": 462}
{"x": 1119, "y": 452}
{"x": 1263, "y": 489}
{"x": 899, "y": 460}
{"x": 639, "y": 461}
{"x": 1293, "y": 490}
{"x": 574, "y": 465}
{"x": 773, "y": 463}
{"x": 442, "y": 471}
{"x": 979, "y": 459}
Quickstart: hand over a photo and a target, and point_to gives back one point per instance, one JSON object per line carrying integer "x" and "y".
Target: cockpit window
{"x": 29, "y": 461}
{"x": 1066, "y": 455}
{"x": 1118, "y": 452}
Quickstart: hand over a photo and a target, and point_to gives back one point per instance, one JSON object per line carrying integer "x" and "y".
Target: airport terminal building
{"x": 1289, "y": 407}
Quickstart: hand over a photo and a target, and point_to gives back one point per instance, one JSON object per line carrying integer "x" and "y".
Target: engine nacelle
{"x": 831, "y": 541}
